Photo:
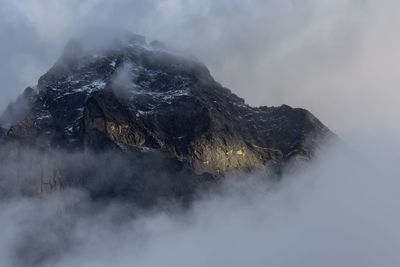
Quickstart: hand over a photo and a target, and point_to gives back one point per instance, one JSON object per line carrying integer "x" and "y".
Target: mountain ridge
{"x": 140, "y": 97}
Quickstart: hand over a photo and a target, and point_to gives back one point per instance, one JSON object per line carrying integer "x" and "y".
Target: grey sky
{"x": 337, "y": 58}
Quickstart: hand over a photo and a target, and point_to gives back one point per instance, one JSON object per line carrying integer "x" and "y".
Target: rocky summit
{"x": 131, "y": 96}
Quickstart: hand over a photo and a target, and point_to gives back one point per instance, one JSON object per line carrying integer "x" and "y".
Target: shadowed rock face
{"x": 134, "y": 96}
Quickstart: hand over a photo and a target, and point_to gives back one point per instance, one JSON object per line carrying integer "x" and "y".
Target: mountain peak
{"x": 98, "y": 40}
{"x": 131, "y": 95}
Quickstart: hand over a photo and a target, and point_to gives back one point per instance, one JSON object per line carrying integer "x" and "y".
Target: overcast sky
{"x": 337, "y": 58}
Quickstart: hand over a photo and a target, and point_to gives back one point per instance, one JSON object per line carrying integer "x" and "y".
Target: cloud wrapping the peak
{"x": 325, "y": 56}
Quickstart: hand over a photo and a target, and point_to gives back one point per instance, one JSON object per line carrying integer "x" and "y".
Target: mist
{"x": 321, "y": 55}
{"x": 338, "y": 59}
{"x": 338, "y": 211}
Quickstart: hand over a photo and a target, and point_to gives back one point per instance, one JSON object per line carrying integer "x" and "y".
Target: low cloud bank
{"x": 341, "y": 210}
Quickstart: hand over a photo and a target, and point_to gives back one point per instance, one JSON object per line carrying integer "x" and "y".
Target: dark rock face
{"x": 17, "y": 111}
{"x": 138, "y": 97}
{"x": 2, "y": 135}
{"x": 144, "y": 179}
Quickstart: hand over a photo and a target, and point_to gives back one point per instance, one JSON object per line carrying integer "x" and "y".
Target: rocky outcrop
{"x": 26, "y": 130}
{"x": 19, "y": 109}
{"x": 134, "y": 97}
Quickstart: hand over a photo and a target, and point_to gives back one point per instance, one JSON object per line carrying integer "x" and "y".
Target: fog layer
{"x": 339, "y": 211}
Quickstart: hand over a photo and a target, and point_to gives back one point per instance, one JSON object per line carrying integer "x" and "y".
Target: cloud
{"x": 338, "y": 211}
{"x": 123, "y": 82}
{"x": 338, "y": 59}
